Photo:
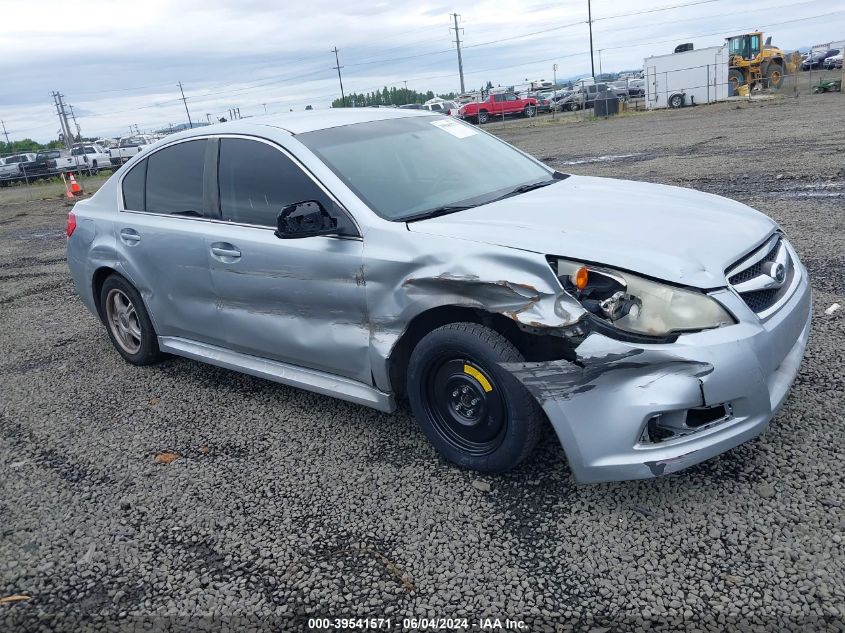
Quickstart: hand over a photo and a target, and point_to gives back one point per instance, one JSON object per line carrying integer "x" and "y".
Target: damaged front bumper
{"x": 633, "y": 411}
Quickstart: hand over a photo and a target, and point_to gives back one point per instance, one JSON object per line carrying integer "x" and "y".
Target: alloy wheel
{"x": 123, "y": 321}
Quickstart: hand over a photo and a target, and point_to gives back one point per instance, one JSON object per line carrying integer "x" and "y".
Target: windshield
{"x": 411, "y": 166}
{"x": 131, "y": 142}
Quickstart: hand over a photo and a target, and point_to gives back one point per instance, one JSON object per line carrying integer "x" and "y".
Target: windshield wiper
{"x": 433, "y": 213}
{"x": 526, "y": 188}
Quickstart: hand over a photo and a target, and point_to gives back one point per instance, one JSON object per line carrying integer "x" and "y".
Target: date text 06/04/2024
{"x": 417, "y": 624}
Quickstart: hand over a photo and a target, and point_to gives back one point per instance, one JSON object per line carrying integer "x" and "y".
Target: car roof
{"x": 311, "y": 120}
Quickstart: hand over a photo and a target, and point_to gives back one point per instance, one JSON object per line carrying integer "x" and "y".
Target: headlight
{"x": 635, "y": 304}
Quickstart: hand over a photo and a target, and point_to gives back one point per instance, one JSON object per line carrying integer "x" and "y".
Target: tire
{"x": 572, "y": 107}
{"x": 676, "y": 101}
{"x": 94, "y": 169}
{"x": 474, "y": 412}
{"x": 483, "y": 117}
{"x": 736, "y": 78}
{"x": 774, "y": 76}
{"x": 529, "y": 111}
{"x": 133, "y": 336}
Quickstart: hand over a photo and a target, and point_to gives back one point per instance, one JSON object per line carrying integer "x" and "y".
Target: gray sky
{"x": 118, "y": 62}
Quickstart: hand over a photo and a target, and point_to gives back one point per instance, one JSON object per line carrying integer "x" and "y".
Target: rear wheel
{"x": 127, "y": 322}
{"x": 473, "y": 411}
{"x": 94, "y": 169}
{"x": 774, "y": 76}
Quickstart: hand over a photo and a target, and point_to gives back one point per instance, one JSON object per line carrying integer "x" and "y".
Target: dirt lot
{"x": 287, "y": 505}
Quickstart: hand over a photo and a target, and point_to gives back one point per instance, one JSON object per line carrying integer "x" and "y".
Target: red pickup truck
{"x": 498, "y": 105}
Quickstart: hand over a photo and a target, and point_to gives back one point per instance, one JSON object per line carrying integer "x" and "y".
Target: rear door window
{"x": 175, "y": 179}
{"x": 257, "y": 181}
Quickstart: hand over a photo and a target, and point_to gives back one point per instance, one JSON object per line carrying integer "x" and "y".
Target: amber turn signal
{"x": 580, "y": 278}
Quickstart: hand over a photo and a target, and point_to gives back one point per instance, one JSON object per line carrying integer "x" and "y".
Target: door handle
{"x": 130, "y": 236}
{"x": 222, "y": 249}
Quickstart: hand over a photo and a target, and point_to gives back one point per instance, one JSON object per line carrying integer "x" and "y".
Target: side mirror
{"x": 304, "y": 219}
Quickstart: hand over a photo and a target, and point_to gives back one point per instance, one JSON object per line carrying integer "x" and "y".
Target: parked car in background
{"x": 444, "y": 107}
{"x": 9, "y": 172}
{"x": 498, "y": 105}
{"x": 505, "y": 295}
{"x": 127, "y": 147}
{"x": 106, "y": 143}
{"x": 833, "y": 62}
{"x": 816, "y": 59}
{"x": 24, "y": 161}
{"x": 50, "y": 163}
{"x": 636, "y": 88}
{"x": 91, "y": 156}
{"x": 412, "y": 106}
{"x": 544, "y": 100}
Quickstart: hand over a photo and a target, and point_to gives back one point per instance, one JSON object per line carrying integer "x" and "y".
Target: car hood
{"x": 678, "y": 235}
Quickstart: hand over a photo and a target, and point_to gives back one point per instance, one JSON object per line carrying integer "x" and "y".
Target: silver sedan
{"x": 378, "y": 254}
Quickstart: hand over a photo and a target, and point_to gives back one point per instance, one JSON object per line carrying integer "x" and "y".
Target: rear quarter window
{"x": 174, "y": 182}
{"x": 133, "y": 187}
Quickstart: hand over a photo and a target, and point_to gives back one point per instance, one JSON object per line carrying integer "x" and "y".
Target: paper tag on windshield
{"x": 458, "y": 130}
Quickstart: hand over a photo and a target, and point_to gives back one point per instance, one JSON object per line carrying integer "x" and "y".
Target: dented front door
{"x": 300, "y": 301}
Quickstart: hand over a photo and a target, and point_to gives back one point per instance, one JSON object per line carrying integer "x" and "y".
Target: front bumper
{"x": 600, "y": 407}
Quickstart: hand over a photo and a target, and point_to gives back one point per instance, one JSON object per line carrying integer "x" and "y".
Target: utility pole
{"x": 8, "y": 142}
{"x": 78, "y": 130}
{"x": 185, "y": 101}
{"x": 339, "y": 78}
{"x": 600, "y": 72}
{"x": 458, "y": 43}
{"x": 554, "y": 89}
{"x": 590, "y": 22}
{"x": 60, "y": 111}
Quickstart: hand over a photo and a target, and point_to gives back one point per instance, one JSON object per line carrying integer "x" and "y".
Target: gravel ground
{"x": 286, "y": 505}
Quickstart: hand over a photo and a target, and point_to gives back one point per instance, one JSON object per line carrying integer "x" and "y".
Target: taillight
{"x": 71, "y": 224}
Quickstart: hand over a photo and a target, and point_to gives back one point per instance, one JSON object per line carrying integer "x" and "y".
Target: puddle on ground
{"x": 598, "y": 159}
{"x": 834, "y": 189}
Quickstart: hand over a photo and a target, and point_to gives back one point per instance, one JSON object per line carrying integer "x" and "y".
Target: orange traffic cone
{"x": 74, "y": 186}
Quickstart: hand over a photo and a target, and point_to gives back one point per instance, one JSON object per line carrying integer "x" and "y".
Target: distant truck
{"x": 127, "y": 147}
{"x": 23, "y": 161}
{"x": 91, "y": 157}
{"x": 9, "y": 172}
{"x": 498, "y": 105}
{"x": 49, "y": 163}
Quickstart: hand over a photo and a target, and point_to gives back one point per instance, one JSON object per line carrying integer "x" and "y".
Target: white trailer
{"x": 677, "y": 79}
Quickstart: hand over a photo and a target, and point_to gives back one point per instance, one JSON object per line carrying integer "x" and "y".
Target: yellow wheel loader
{"x": 753, "y": 63}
